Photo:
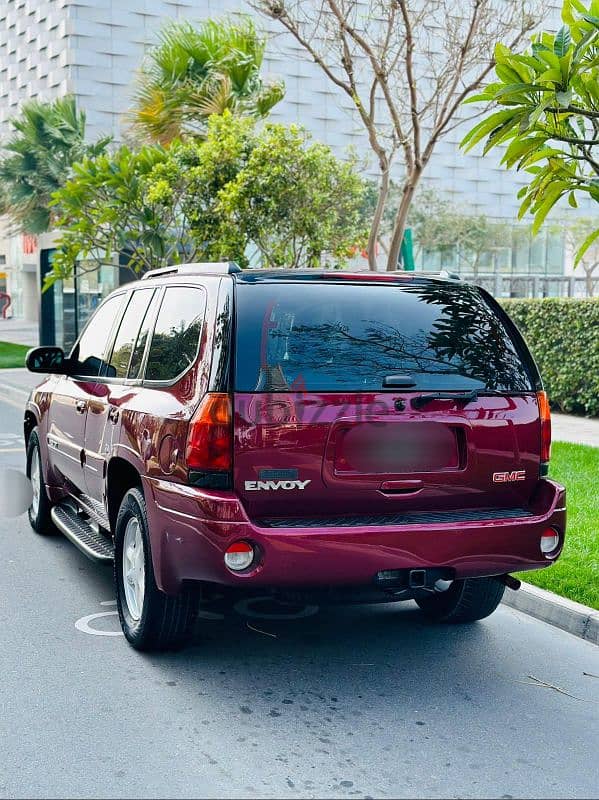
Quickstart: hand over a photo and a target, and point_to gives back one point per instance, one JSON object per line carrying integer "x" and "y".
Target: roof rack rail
{"x": 252, "y": 275}
{"x": 206, "y": 268}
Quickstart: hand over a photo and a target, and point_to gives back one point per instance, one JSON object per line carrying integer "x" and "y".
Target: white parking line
{"x": 14, "y": 403}
{"x": 11, "y": 443}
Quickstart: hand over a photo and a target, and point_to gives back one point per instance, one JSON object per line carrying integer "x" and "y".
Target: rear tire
{"x": 39, "y": 510}
{"x": 150, "y": 619}
{"x": 467, "y": 600}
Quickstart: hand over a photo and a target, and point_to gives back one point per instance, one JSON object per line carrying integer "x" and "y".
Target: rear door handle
{"x": 113, "y": 415}
{"x": 80, "y": 406}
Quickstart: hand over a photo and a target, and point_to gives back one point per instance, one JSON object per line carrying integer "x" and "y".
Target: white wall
{"x": 92, "y": 47}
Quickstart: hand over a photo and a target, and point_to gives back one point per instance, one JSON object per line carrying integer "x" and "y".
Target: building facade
{"x": 92, "y": 48}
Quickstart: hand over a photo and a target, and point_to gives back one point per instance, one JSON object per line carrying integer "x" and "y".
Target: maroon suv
{"x": 359, "y": 437}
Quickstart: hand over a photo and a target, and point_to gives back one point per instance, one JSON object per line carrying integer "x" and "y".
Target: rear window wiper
{"x": 463, "y": 397}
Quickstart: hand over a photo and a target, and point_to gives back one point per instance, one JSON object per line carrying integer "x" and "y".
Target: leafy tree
{"x": 435, "y": 222}
{"x": 480, "y": 235}
{"x": 438, "y": 224}
{"x": 107, "y": 208}
{"x": 406, "y": 68}
{"x": 294, "y": 201}
{"x": 194, "y": 175}
{"x": 48, "y": 139}
{"x": 577, "y": 232}
{"x": 549, "y": 115}
{"x": 270, "y": 191}
{"x": 196, "y": 71}
{"x": 240, "y": 190}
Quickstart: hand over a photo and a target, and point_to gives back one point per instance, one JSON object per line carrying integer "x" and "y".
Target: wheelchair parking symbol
{"x": 248, "y": 608}
{"x": 85, "y": 624}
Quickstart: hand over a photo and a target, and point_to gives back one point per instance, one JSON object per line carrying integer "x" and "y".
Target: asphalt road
{"x": 348, "y": 702}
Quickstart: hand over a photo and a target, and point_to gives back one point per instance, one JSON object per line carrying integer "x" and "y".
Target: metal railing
{"x": 535, "y": 285}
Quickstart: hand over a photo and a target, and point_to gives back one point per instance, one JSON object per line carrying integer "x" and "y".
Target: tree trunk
{"x": 376, "y": 220}
{"x": 402, "y": 215}
{"x": 589, "y": 280}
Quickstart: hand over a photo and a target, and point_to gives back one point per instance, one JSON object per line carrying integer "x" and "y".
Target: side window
{"x": 142, "y": 338}
{"x": 176, "y": 337}
{"x": 88, "y": 353}
{"x": 133, "y": 317}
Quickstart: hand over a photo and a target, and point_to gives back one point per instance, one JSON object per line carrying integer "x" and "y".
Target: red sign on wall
{"x": 29, "y": 244}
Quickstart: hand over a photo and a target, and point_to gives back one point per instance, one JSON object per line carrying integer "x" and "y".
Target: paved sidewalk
{"x": 579, "y": 430}
{"x": 18, "y": 331}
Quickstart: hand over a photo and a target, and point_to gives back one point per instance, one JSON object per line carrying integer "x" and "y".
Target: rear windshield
{"x": 319, "y": 337}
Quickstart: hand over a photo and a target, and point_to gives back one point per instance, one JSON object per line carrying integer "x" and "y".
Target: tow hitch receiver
{"x": 417, "y": 578}
{"x": 432, "y": 580}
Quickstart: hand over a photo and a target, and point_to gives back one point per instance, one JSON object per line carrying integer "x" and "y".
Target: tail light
{"x": 545, "y": 417}
{"x": 210, "y": 436}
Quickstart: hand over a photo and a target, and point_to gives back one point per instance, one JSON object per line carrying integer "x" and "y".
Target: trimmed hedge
{"x": 563, "y": 336}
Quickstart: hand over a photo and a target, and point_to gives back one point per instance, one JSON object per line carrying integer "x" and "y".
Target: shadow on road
{"x": 245, "y": 635}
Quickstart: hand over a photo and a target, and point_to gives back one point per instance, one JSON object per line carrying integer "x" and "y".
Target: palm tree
{"x": 48, "y": 139}
{"x": 194, "y": 72}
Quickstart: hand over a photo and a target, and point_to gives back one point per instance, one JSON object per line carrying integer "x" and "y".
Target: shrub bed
{"x": 563, "y": 335}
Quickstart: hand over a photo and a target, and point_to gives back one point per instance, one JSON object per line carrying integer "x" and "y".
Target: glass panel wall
{"x": 67, "y": 306}
{"x": 93, "y": 286}
{"x": 522, "y": 254}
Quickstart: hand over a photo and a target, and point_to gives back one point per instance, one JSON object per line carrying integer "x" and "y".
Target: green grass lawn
{"x": 576, "y": 574}
{"x": 12, "y": 355}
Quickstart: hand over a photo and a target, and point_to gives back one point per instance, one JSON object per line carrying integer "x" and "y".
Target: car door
{"x": 119, "y": 387}
{"x": 70, "y": 400}
{"x": 154, "y": 420}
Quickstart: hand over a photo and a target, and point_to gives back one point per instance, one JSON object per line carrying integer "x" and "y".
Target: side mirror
{"x": 47, "y": 360}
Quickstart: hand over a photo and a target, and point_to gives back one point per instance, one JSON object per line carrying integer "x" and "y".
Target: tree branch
{"x": 411, "y": 81}
{"x": 293, "y": 29}
{"x": 583, "y": 112}
{"x": 569, "y": 139}
{"x": 380, "y": 75}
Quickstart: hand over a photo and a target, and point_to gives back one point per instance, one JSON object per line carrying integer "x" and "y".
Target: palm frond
{"x": 47, "y": 140}
{"x": 195, "y": 71}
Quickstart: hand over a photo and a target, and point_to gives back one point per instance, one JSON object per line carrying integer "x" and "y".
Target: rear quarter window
{"x": 349, "y": 337}
{"x": 122, "y": 349}
{"x": 176, "y": 337}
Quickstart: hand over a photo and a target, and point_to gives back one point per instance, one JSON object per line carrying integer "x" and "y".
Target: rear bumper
{"x": 190, "y": 530}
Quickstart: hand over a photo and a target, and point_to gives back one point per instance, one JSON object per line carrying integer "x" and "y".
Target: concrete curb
{"x": 572, "y": 617}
